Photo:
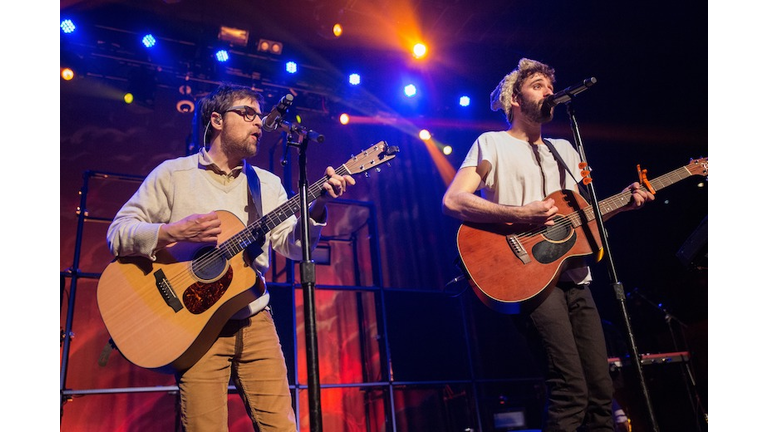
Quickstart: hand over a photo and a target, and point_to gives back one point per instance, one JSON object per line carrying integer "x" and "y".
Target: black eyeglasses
{"x": 248, "y": 113}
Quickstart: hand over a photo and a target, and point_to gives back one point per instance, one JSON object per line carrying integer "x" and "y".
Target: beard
{"x": 534, "y": 111}
{"x": 238, "y": 145}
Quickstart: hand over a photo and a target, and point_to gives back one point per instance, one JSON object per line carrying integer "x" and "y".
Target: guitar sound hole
{"x": 208, "y": 264}
{"x": 559, "y": 231}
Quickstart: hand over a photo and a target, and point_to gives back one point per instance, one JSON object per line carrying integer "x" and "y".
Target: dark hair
{"x": 220, "y": 100}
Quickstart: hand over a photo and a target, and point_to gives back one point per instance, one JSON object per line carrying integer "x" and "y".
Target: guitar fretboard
{"x": 621, "y": 199}
{"x": 258, "y": 229}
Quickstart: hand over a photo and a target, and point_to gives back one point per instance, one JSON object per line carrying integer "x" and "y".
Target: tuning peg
{"x": 367, "y": 175}
{"x": 378, "y": 170}
{"x": 389, "y": 164}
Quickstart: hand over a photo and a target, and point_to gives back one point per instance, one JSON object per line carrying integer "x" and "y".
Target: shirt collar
{"x": 205, "y": 161}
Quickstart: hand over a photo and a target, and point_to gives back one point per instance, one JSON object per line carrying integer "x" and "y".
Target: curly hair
{"x": 509, "y": 86}
{"x": 221, "y": 100}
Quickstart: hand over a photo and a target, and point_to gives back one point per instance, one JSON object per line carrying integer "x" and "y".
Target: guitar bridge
{"x": 518, "y": 249}
{"x": 162, "y": 284}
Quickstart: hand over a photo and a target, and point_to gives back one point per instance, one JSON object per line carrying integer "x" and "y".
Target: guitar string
{"x": 245, "y": 237}
{"x": 238, "y": 242}
{"x": 568, "y": 220}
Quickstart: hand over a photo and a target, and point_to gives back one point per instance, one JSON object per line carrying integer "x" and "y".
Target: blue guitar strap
{"x": 254, "y": 185}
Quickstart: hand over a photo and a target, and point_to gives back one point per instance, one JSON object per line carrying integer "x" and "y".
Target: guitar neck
{"x": 621, "y": 199}
{"x": 268, "y": 222}
{"x": 372, "y": 157}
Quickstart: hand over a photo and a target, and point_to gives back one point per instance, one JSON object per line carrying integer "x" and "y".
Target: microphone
{"x": 567, "y": 94}
{"x": 271, "y": 121}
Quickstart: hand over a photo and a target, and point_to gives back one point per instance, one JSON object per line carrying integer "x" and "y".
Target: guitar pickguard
{"x": 200, "y": 296}
{"x": 560, "y": 238}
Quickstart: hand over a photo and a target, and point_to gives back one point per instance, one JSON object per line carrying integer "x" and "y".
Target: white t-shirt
{"x": 521, "y": 172}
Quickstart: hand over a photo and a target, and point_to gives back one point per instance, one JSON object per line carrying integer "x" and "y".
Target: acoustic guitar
{"x": 164, "y": 315}
{"x": 509, "y": 263}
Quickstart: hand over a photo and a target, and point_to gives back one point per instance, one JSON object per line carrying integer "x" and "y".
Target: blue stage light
{"x": 67, "y": 26}
{"x": 291, "y": 67}
{"x": 410, "y": 90}
{"x": 464, "y": 101}
{"x": 354, "y": 79}
{"x": 148, "y": 41}
{"x": 222, "y": 55}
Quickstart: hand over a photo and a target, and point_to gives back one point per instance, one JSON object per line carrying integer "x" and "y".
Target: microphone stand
{"x": 308, "y": 280}
{"x": 618, "y": 288}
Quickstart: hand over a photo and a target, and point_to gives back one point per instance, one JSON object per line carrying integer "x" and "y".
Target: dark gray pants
{"x": 579, "y": 385}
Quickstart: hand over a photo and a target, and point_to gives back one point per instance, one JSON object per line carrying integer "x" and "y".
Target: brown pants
{"x": 249, "y": 351}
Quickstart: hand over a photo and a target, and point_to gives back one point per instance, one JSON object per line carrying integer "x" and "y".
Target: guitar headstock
{"x": 699, "y": 166}
{"x": 374, "y": 156}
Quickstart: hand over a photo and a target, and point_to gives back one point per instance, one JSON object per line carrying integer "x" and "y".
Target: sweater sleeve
{"x": 134, "y": 230}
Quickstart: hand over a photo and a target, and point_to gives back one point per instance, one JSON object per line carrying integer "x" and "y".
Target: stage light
{"x": 419, "y": 50}
{"x": 67, "y": 26}
{"x": 291, "y": 67}
{"x": 354, "y": 79}
{"x": 447, "y": 150}
{"x": 425, "y": 135}
{"x": 344, "y": 119}
{"x": 270, "y": 46}
{"x": 128, "y": 98}
{"x": 337, "y": 30}
{"x": 222, "y": 55}
{"x": 233, "y": 35}
{"x": 67, "y": 74}
{"x": 410, "y": 90}
{"x": 148, "y": 41}
{"x": 464, "y": 101}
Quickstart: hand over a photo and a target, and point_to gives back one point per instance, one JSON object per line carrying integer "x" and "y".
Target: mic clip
{"x": 296, "y": 128}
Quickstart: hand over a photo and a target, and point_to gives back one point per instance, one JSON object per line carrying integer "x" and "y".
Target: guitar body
{"x": 164, "y": 315}
{"x": 509, "y": 263}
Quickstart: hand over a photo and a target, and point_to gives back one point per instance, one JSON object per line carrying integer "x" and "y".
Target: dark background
{"x": 649, "y": 107}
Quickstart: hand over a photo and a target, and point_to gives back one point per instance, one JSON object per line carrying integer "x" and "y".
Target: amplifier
{"x": 649, "y": 359}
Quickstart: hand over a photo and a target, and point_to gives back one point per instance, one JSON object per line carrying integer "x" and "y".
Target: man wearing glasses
{"x": 178, "y": 202}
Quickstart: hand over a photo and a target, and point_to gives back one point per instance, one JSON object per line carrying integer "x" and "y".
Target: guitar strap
{"x": 254, "y": 185}
{"x": 563, "y": 165}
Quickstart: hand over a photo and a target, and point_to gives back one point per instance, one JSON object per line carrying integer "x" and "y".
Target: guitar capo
{"x": 644, "y": 179}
